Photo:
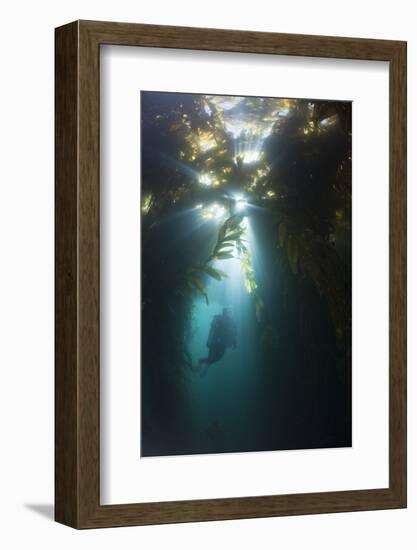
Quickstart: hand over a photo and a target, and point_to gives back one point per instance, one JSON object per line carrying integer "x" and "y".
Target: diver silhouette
{"x": 223, "y": 335}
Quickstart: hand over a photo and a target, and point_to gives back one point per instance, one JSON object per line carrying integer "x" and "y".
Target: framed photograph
{"x": 230, "y": 274}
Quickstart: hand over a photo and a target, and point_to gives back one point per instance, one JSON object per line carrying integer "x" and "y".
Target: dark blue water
{"x": 225, "y": 401}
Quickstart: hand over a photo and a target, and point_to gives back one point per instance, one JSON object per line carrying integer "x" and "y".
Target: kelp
{"x": 318, "y": 246}
{"x": 301, "y": 175}
{"x": 229, "y": 240}
{"x": 230, "y": 244}
{"x": 291, "y": 161}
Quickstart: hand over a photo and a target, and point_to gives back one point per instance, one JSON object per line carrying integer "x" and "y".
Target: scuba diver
{"x": 222, "y": 336}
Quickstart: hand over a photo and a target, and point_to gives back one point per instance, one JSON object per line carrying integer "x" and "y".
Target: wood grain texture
{"x": 66, "y": 237}
{"x": 398, "y": 273}
{"x": 78, "y": 284}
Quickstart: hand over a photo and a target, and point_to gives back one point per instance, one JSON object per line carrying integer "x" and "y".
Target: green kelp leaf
{"x": 228, "y": 242}
{"x": 222, "y": 232}
{"x": 223, "y": 256}
{"x": 226, "y": 246}
{"x": 198, "y": 285}
{"x": 217, "y": 274}
{"x": 234, "y": 222}
{"x": 252, "y": 284}
{"x": 223, "y": 274}
{"x": 235, "y": 236}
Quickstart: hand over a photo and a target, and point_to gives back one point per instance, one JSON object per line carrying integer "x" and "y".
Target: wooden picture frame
{"x": 77, "y": 382}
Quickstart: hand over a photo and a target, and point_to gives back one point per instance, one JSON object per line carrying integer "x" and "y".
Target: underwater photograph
{"x": 246, "y": 266}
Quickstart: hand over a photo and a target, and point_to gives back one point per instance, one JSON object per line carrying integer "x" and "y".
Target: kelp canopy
{"x": 210, "y": 166}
